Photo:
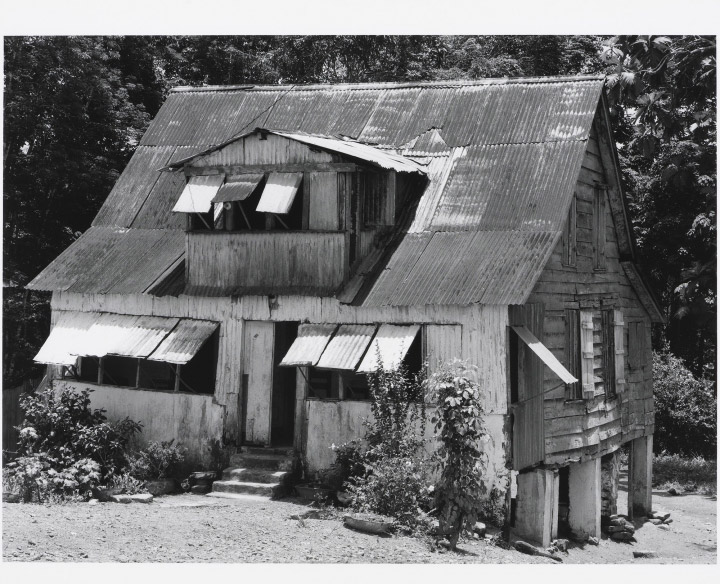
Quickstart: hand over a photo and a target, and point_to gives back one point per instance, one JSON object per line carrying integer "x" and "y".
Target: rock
{"x": 620, "y": 528}
{"x": 621, "y": 536}
{"x": 668, "y": 520}
{"x": 10, "y": 498}
{"x": 644, "y": 554}
{"x": 142, "y": 498}
{"x": 200, "y": 489}
{"x": 618, "y": 521}
{"x": 93, "y": 502}
{"x": 664, "y": 527}
{"x": 207, "y": 475}
{"x": 656, "y": 521}
{"x": 480, "y": 529}
{"x": 593, "y": 540}
{"x": 120, "y": 499}
{"x": 561, "y": 544}
{"x": 674, "y": 491}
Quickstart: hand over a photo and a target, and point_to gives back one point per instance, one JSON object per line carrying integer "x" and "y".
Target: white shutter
{"x": 586, "y": 347}
{"x": 619, "y": 345}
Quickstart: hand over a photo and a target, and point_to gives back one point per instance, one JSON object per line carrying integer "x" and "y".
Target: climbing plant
{"x": 460, "y": 428}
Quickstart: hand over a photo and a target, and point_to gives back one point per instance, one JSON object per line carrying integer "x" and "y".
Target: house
{"x": 265, "y": 244}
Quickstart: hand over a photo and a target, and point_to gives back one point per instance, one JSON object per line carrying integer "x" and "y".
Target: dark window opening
{"x": 355, "y": 386}
{"x": 284, "y": 383}
{"x": 573, "y": 352}
{"x": 242, "y": 216}
{"x": 296, "y": 218}
{"x": 88, "y": 369}
{"x": 608, "y": 347}
{"x": 514, "y": 364}
{"x": 120, "y": 371}
{"x": 157, "y": 375}
{"x": 564, "y": 502}
{"x": 198, "y": 374}
{"x": 373, "y": 193}
{"x": 322, "y": 383}
{"x": 201, "y": 221}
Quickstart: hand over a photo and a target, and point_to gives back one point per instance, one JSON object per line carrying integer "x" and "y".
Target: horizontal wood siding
{"x": 272, "y": 262}
{"x": 321, "y": 189}
{"x": 577, "y": 430}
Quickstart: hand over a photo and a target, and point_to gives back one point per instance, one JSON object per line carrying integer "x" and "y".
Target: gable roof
{"x": 502, "y": 157}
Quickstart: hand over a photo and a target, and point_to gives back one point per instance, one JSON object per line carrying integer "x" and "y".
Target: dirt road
{"x": 191, "y": 528}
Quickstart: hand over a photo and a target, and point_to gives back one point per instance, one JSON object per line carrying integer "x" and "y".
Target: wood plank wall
{"x": 582, "y": 429}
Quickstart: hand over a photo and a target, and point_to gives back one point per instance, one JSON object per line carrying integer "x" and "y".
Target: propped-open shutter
{"x": 619, "y": 344}
{"x": 586, "y": 346}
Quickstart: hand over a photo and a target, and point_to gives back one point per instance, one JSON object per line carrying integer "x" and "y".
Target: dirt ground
{"x": 192, "y": 528}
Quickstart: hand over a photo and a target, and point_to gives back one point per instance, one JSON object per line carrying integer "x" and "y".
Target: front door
{"x": 259, "y": 341}
{"x": 284, "y": 382}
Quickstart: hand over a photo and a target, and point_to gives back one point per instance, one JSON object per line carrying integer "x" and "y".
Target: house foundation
{"x": 640, "y": 477}
{"x": 537, "y": 505}
{"x": 609, "y": 478}
{"x": 585, "y": 499}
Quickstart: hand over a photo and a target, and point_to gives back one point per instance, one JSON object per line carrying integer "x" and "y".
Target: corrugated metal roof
{"x": 514, "y": 152}
{"x": 110, "y": 260}
{"x": 279, "y": 192}
{"x": 347, "y": 347}
{"x": 198, "y": 194}
{"x": 66, "y": 337}
{"x": 184, "y": 341}
{"x": 238, "y": 189}
{"x": 308, "y": 346}
{"x": 391, "y": 344}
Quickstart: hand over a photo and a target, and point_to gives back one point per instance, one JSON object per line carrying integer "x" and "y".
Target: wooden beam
{"x": 229, "y": 170}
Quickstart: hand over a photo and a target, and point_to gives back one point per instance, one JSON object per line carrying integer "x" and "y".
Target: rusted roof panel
{"x": 198, "y": 194}
{"x": 279, "y": 192}
{"x": 347, "y": 347}
{"x": 308, "y": 346}
{"x": 390, "y": 345}
{"x": 184, "y": 341}
{"x": 112, "y": 260}
{"x": 66, "y": 337}
{"x": 238, "y": 189}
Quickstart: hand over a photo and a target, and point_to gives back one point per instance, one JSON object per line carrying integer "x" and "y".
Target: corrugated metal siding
{"x": 391, "y": 344}
{"x": 238, "y": 189}
{"x": 347, "y": 347}
{"x": 309, "y": 345}
{"x": 110, "y": 260}
{"x": 198, "y": 194}
{"x": 279, "y": 192}
{"x": 185, "y": 340}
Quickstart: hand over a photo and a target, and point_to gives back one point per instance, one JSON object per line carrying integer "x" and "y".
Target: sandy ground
{"x": 192, "y": 528}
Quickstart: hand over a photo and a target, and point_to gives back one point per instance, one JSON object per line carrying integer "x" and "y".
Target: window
{"x": 613, "y": 335}
{"x": 569, "y": 257}
{"x": 573, "y": 356}
{"x": 377, "y": 195}
{"x": 599, "y": 227}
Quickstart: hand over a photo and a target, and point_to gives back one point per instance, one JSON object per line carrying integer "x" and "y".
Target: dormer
{"x": 276, "y": 212}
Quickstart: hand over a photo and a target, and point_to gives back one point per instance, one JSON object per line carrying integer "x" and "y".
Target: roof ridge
{"x": 390, "y": 85}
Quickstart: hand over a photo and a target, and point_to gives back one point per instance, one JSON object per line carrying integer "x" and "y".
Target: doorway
{"x": 283, "y": 390}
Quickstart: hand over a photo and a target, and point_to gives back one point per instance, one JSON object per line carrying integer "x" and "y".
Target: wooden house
{"x": 265, "y": 244}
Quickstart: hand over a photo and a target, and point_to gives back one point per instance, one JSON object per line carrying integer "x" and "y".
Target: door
{"x": 284, "y": 382}
{"x": 258, "y": 343}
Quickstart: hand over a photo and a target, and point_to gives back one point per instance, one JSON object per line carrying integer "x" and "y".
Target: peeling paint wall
{"x": 194, "y": 421}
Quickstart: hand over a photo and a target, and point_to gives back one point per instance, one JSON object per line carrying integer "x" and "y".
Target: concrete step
{"x": 267, "y": 461}
{"x": 239, "y": 497}
{"x": 255, "y": 475}
{"x": 248, "y": 488}
{"x": 286, "y": 451}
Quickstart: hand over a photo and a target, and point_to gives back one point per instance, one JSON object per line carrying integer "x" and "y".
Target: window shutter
{"x": 619, "y": 346}
{"x": 587, "y": 355}
{"x": 572, "y": 350}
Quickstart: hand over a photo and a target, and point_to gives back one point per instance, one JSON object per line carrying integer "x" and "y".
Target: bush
{"x": 459, "y": 423}
{"x": 685, "y": 409}
{"x": 689, "y": 474}
{"x": 390, "y": 476}
{"x": 158, "y": 461}
{"x": 65, "y": 448}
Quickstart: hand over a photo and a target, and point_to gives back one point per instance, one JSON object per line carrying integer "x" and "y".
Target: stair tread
{"x": 246, "y": 483}
{"x": 245, "y": 496}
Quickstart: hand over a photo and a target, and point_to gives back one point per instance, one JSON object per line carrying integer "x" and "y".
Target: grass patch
{"x": 688, "y": 474}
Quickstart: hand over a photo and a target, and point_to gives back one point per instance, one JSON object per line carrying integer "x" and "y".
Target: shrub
{"x": 158, "y": 461}
{"x": 126, "y": 484}
{"x": 685, "y": 409}
{"x": 690, "y": 474}
{"x": 459, "y": 423}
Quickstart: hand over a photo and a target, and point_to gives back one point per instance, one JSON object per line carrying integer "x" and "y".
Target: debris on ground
{"x": 525, "y": 548}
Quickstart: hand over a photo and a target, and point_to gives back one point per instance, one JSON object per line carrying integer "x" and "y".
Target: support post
{"x": 537, "y": 505}
{"x": 585, "y": 499}
{"x": 640, "y": 477}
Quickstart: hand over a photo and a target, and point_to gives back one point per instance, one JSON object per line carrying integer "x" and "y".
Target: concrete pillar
{"x": 536, "y": 515}
{"x": 585, "y": 499}
{"x": 640, "y": 477}
{"x": 610, "y": 476}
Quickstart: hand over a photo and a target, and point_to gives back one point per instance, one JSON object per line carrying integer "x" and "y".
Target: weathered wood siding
{"x": 273, "y": 262}
{"x": 474, "y": 333}
{"x": 257, "y": 380}
{"x": 580, "y": 429}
